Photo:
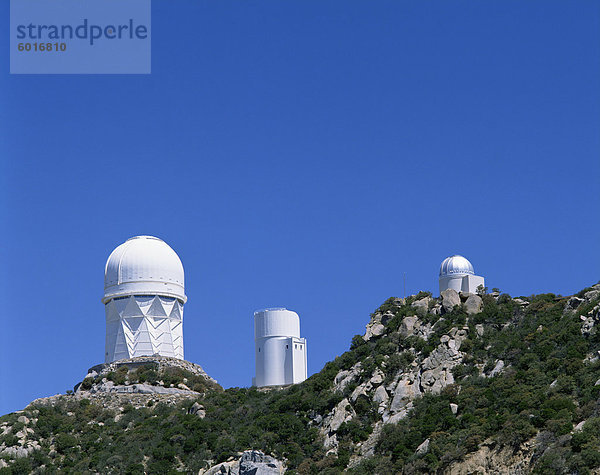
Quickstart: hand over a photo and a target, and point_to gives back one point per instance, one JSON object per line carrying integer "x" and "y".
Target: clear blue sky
{"x": 301, "y": 154}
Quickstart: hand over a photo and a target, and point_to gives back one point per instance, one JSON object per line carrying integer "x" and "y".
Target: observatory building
{"x": 143, "y": 298}
{"x": 280, "y": 352}
{"x": 457, "y": 273}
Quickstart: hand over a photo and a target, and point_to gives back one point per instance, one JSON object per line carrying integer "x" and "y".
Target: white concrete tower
{"x": 280, "y": 352}
{"x": 457, "y": 273}
{"x": 143, "y": 298}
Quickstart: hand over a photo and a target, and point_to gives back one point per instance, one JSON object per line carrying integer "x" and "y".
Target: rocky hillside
{"x": 458, "y": 384}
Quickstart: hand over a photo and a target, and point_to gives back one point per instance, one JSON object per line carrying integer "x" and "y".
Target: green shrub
{"x": 21, "y": 466}
{"x": 63, "y": 442}
{"x": 422, "y": 294}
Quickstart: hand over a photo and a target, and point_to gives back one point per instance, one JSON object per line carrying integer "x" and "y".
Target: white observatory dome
{"x": 144, "y": 265}
{"x": 456, "y": 265}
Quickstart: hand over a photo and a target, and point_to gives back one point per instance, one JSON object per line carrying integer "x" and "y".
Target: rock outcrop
{"x": 573, "y": 303}
{"x": 422, "y": 305}
{"x": 379, "y": 320}
{"x": 98, "y": 388}
{"x": 197, "y": 410}
{"x": 341, "y": 413}
{"x": 430, "y": 375}
{"x": 450, "y": 299}
{"x": 493, "y": 460}
{"x": 473, "y": 304}
{"x": 23, "y": 445}
{"x": 394, "y": 399}
{"x": 498, "y": 368}
{"x": 376, "y": 325}
{"x": 251, "y": 462}
{"x": 590, "y": 319}
{"x": 139, "y": 388}
{"x": 423, "y": 448}
{"x": 97, "y": 381}
{"x": 343, "y": 378}
{"x": 160, "y": 363}
{"x": 412, "y": 326}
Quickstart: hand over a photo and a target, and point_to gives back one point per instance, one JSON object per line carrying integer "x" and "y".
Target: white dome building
{"x": 457, "y": 273}
{"x": 143, "y": 299}
{"x": 280, "y": 353}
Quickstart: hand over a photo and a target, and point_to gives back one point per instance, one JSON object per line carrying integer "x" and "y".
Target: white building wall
{"x": 461, "y": 283}
{"x": 299, "y": 360}
{"x": 280, "y": 353}
{"x": 471, "y": 282}
{"x": 143, "y": 325}
{"x": 271, "y": 356}
{"x": 451, "y": 282}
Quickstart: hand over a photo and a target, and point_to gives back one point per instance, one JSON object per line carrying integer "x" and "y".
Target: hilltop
{"x": 462, "y": 383}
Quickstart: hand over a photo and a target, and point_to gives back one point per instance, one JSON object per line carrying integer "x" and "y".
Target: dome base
{"x": 144, "y": 326}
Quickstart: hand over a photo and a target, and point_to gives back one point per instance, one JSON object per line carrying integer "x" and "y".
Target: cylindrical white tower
{"x": 279, "y": 351}
{"x": 143, "y": 298}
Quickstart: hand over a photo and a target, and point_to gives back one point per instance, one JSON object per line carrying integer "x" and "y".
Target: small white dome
{"x": 456, "y": 265}
{"x": 143, "y": 265}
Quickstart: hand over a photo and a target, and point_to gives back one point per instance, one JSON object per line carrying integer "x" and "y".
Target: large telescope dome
{"x": 456, "y": 265}
{"x": 144, "y": 265}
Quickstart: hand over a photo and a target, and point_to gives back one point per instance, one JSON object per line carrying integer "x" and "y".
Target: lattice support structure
{"x": 143, "y": 325}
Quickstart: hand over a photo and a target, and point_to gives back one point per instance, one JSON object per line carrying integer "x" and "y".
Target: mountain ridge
{"x": 455, "y": 384}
